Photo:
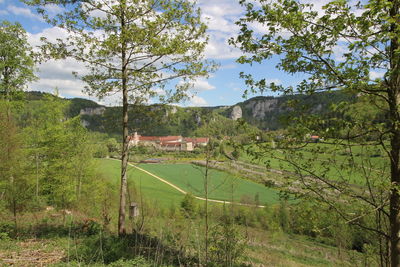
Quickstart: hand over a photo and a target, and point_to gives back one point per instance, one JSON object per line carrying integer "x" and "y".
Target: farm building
{"x": 168, "y": 143}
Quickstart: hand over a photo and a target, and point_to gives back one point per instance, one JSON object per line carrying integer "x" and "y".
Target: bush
{"x": 188, "y": 206}
{"x": 6, "y": 229}
{"x": 227, "y": 244}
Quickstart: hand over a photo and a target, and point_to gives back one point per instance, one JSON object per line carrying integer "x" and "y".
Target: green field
{"x": 151, "y": 188}
{"x": 223, "y": 186}
{"x": 334, "y": 162}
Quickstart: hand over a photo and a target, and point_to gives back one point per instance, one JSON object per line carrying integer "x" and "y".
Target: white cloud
{"x": 220, "y": 16}
{"x": 66, "y": 87}
{"x": 57, "y": 73}
{"x": 3, "y": 12}
{"x": 52, "y": 34}
{"x": 275, "y": 81}
{"x": 23, "y": 11}
{"x": 53, "y": 9}
{"x": 160, "y": 92}
{"x": 198, "y": 101}
{"x": 202, "y": 85}
{"x": 61, "y": 69}
{"x": 219, "y": 23}
{"x": 218, "y": 47}
{"x": 376, "y": 75}
{"x": 339, "y": 50}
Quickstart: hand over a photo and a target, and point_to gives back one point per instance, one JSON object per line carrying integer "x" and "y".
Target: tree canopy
{"x": 17, "y": 63}
{"x": 133, "y": 47}
{"x": 348, "y": 46}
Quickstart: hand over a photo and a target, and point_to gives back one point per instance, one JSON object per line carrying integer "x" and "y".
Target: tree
{"x": 15, "y": 189}
{"x": 306, "y": 41}
{"x": 133, "y": 47}
{"x": 16, "y": 59}
{"x": 16, "y": 69}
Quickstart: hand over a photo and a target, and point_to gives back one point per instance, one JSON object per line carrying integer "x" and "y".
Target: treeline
{"x": 162, "y": 119}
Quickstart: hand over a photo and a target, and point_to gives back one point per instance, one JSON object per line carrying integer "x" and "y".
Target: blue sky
{"x": 224, "y": 87}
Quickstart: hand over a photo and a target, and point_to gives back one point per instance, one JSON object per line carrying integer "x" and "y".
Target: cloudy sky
{"x": 224, "y": 87}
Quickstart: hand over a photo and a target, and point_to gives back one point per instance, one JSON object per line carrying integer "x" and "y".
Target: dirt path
{"x": 184, "y": 192}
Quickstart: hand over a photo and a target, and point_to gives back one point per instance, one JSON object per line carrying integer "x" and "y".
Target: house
{"x": 198, "y": 141}
{"x": 314, "y": 138}
{"x": 168, "y": 143}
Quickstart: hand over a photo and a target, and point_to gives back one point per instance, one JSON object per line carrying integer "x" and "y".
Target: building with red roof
{"x": 168, "y": 143}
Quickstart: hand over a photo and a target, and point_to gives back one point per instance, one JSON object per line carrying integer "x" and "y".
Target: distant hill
{"x": 264, "y": 112}
{"x": 267, "y": 112}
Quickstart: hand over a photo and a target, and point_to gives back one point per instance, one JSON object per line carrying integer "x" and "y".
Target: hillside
{"x": 264, "y": 112}
{"x": 268, "y": 113}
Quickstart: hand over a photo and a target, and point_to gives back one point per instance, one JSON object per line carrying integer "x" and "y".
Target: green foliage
{"x": 235, "y": 154}
{"x": 368, "y": 35}
{"x": 48, "y": 160}
{"x": 16, "y": 59}
{"x": 227, "y": 242}
{"x": 15, "y": 185}
{"x": 189, "y": 206}
{"x": 168, "y": 29}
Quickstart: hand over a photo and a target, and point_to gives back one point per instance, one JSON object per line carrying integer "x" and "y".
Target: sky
{"x": 223, "y": 88}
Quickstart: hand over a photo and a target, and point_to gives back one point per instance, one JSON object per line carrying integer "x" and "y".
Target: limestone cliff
{"x": 236, "y": 113}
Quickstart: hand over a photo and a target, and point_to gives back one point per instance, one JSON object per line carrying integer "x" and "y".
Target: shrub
{"x": 188, "y": 206}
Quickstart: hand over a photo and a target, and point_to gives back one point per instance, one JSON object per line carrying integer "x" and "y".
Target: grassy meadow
{"x": 223, "y": 186}
{"x": 150, "y": 187}
{"x": 335, "y": 162}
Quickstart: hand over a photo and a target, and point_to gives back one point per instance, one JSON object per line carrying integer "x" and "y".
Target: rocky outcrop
{"x": 85, "y": 124}
{"x": 174, "y": 110}
{"x": 236, "y": 113}
{"x": 92, "y": 111}
{"x": 259, "y": 108}
{"x": 170, "y": 111}
{"x": 197, "y": 118}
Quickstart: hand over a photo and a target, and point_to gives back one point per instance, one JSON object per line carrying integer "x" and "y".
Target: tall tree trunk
{"x": 395, "y": 182}
{"x": 395, "y": 206}
{"x": 393, "y": 97}
{"x": 125, "y": 142}
{"x": 37, "y": 175}
{"x": 124, "y": 165}
{"x": 206, "y": 202}
{"x": 14, "y": 204}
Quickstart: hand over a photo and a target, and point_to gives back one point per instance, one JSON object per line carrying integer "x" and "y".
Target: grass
{"x": 223, "y": 186}
{"x": 274, "y": 248}
{"x": 151, "y": 188}
{"x": 334, "y": 162}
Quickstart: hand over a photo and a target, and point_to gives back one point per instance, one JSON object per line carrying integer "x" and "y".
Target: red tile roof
{"x": 197, "y": 140}
{"x": 173, "y": 140}
{"x": 170, "y": 138}
{"x": 149, "y": 138}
